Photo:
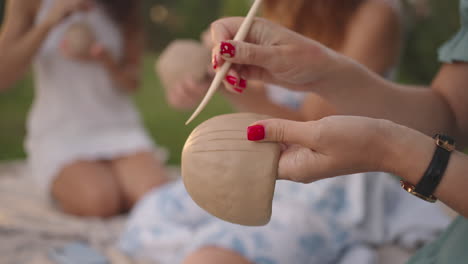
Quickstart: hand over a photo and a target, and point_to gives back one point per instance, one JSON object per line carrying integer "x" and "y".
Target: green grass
{"x": 165, "y": 125}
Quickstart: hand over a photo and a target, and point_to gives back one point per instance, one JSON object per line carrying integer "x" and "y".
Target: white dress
{"x": 78, "y": 112}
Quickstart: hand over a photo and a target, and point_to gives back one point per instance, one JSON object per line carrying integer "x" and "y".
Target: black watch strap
{"x": 433, "y": 175}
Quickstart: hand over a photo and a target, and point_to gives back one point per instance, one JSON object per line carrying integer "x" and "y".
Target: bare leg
{"x": 215, "y": 255}
{"x": 87, "y": 188}
{"x": 137, "y": 174}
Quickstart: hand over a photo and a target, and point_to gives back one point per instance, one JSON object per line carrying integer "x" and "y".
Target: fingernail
{"x": 239, "y": 90}
{"x": 215, "y": 62}
{"x": 256, "y": 133}
{"x": 243, "y": 83}
{"x": 231, "y": 80}
{"x": 228, "y": 50}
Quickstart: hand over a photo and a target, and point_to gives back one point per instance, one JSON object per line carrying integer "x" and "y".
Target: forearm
{"x": 127, "y": 79}
{"x": 408, "y": 155}
{"x": 258, "y": 102}
{"x": 16, "y": 56}
{"x": 124, "y": 73}
{"x": 127, "y": 72}
{"x": 362, "y": 93}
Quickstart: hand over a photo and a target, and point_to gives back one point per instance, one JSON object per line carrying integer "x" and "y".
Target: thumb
{"x": 282, "y": 131}
{"x": 244, "y": 53}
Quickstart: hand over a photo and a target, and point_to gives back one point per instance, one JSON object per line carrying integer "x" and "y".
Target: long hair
{"x": 323, "y": 20}
{"x": 124, "y": 12}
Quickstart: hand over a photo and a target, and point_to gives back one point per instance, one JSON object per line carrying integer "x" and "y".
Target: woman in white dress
{"x": 85, "y": 142}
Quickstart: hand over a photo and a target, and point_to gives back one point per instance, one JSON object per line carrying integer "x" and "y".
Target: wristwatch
{"x": 426, "y": 187}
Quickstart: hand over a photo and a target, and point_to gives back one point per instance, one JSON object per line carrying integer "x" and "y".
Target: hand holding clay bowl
{"x": 78, "y": 41}
{"x": 227, "y": 175}
{"x": 183, "y": 59}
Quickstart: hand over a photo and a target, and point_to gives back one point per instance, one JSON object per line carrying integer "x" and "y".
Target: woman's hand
{"x": 206, "y": 39}
{"x": 341, "y": 145}
{"x": 274, "y": 54}
{"x": 187, "y": 93}
{"x": 333, "y": 146}
{"x": 127, "y": 77}
{"x": 63, "y": 8}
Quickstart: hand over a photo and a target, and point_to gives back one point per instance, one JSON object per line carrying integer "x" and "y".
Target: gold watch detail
{"x": 411, "y": 189}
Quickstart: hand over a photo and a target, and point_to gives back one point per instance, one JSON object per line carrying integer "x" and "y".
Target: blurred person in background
{"x": 369, "y": 31}
{"x": 86, "y": 144}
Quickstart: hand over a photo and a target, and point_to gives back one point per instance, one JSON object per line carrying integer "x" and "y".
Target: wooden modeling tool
{"x": 221, "y": 74}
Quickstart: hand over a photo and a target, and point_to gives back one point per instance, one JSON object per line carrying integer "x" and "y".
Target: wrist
{"x": 385, "y": 144}
{"x": 408, "y": 153}
{"x": 352, "y": 75}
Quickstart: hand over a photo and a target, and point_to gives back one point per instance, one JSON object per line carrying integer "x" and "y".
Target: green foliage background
{"x": 187, "y": 19}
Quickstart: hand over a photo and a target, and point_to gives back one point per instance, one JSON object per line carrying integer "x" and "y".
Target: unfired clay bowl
{"x": 182, "y": 59}
{"x": 79, "y": 39}
{"x": 227, "y": 175}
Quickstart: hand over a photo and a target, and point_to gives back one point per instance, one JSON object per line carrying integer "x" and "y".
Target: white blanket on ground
{"x": 30, "y": 226}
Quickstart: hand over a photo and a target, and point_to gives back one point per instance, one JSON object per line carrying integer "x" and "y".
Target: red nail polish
{"x": 228, "y": 50}
{"x": 243, "y": 83}
{"x": 215, "y": 62}
{"x": 256, "y": 133}
{"x": 231, "y": 80}
{"x": 239, "y": 90}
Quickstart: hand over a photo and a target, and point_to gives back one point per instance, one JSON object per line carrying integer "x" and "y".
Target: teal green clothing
{"x": 452, "y": 246}
{"x": 457, "y": 48}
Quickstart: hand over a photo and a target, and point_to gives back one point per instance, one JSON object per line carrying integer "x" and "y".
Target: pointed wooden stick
{"x": 221, "y": 74}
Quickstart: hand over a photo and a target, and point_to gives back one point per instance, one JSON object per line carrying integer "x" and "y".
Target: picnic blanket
{"x": 31, "y": 226}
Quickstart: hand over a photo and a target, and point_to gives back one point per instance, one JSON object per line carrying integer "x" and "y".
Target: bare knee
{"x": 215, "y": 255}
{"x": 138, "y": 174}
{"x": 88, "y": 191}
{"x": 94, "y": 203}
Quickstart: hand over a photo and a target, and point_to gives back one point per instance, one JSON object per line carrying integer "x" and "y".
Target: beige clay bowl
{"x": 183, "y": 59}
{"x": 79, "y": 37}
{"x": 227, "y": 175}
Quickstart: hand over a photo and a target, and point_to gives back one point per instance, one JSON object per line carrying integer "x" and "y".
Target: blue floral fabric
{"x": 167, "y": 226}
{"x": 314, "y": 223}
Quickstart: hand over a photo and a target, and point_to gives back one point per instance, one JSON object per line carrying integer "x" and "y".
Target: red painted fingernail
{"x": 231, "y": 80}
{"x": 228, "y": 50}
{"x": 256, "y": 133}
{"x": 215, "y": 62}
{"x": 239, "y": 90}
{"x": 243, "y": 83}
